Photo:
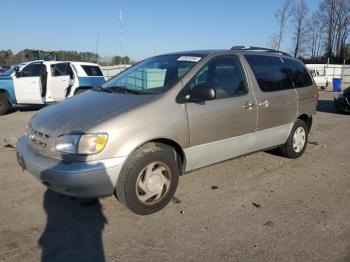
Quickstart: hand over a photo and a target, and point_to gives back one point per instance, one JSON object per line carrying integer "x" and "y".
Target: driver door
{"x": 223, "y": 128}
{"x": 27, "y": 84}
{"x": 61, "y": 75}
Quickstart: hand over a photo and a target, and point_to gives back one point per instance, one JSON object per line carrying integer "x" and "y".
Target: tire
{"x": 4, "y": 104}
{"x": 295, "y": 150}
{"x": 148, "y": 179}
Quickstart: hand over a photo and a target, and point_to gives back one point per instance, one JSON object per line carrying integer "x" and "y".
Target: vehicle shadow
{"x": 74, "y": 228}
{"x": 25, "y": 108}
{"x": 326, "y": 106}
{"x": 73, "y": 231}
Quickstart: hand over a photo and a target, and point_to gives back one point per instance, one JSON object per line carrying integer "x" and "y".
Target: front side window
{"x": 270, "y": 72}
{"x": 224, "y": 74}
{"x": 300, "y": 76}
{"x": 32, "y": 70}
{"x": 92, "y": 70}
{"x": 153, "y": 75}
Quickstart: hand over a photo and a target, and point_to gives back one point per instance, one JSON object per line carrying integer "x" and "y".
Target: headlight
{"x": 92, "y": 143}
{"x": 87, "y": 144}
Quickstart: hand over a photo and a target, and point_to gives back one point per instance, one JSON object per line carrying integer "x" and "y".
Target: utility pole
{"x": 97, "y": 42}
{"x": 121, "y": 30}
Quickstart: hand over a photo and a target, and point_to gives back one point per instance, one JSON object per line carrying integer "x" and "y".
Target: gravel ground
{"x": 261, "y": 207}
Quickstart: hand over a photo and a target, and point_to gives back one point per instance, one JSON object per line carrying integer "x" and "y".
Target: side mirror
{"x": 202, "y": 93}
{"x": 17, "y": 72}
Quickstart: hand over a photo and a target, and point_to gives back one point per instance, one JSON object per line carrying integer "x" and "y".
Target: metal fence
{"x": 110, "y": 71}
{"x": 333, "y": 71}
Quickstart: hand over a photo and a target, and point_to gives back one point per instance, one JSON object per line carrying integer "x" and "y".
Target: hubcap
{"x": 153, "y": 183}
{"x": 299, "y": 139}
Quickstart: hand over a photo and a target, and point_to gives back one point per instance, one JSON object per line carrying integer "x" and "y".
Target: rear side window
{"x": 92, "y": 70}
{"x": 300, "y": 76}
{"x": 270, "y": 73}
{"x": 60, "y": 69}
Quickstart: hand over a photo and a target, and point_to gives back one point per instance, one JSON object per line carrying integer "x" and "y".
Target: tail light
{"x": 317, "y": 96}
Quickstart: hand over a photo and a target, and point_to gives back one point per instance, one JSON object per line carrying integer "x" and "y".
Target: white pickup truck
{"x": 320, "y": 78}
{"x": 41, "y": 82}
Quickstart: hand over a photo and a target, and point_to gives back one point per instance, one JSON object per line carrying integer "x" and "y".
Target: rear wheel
{"x": 4, "y": 104}
{"x": 149, "y": 179}
{"x": 297, "y": 140}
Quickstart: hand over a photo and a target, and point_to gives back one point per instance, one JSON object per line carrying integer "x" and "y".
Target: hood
{"x": 77, "y": 114}
{"x": 5, "y": 78}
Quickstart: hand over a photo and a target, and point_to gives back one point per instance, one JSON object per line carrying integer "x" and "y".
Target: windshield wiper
{"x": 101, "y": 89}
{"x": 122, "y": 89}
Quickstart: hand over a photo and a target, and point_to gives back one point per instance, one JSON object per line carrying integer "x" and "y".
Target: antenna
{"x": 121, "y": 29}
{"x": 97, "y": 42}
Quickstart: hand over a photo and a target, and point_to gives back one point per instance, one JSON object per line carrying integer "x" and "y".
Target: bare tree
{"x": 282, "y": 15}
{"x": 342, "y": 30}
{"x": 273, "y": 41}
{"x": 299, "y": 19}
{"x": 336, "y": 17}
{"x": 328, "y": 9}
{"x": 315, "y": 35}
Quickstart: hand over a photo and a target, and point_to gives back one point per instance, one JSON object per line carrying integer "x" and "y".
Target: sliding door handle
{"x": 264, "y": 103}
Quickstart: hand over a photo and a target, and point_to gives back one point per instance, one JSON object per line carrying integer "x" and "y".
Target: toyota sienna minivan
{"x": 165, "y": 116}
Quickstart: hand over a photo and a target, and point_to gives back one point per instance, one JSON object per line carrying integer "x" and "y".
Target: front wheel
{"x": 297, "y": 140}
{"x": 149, "y": 179}
{"x": 4, "y": 104}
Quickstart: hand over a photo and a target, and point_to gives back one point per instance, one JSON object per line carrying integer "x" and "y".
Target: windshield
{"x": 154, "y": 75}
{"x": 8, "y": 72}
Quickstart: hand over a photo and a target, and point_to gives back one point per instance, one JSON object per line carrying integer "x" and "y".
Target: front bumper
{"x": 80, "y": 179}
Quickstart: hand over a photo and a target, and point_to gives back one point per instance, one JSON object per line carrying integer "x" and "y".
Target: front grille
{"x": 37, "y": 138}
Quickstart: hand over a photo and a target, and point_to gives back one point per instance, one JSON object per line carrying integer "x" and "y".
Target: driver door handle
{"x": 248, "y": 105}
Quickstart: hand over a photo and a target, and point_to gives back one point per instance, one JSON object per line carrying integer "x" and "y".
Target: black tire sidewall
{"x": 291, "y": 153}
{"x": 126, "y": 185}
{"x": 4, "y": 105}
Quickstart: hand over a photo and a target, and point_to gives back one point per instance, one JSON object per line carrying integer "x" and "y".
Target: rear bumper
{"x": 342, "y": 105}
{"x": 79, "y": 179}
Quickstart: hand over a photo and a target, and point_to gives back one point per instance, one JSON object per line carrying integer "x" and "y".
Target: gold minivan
{"x": 137, "y": 133}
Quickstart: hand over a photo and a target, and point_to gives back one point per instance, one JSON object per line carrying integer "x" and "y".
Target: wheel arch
{"x": 307, "y": 119}
{"x": 6, "y": 93}
{"x": 176, "y": 146}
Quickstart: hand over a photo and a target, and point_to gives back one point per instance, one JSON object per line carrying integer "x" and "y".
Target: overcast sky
{"x": 149, "y": 27}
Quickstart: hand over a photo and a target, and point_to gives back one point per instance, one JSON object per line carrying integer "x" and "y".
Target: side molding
{"x": 214, "y": 152}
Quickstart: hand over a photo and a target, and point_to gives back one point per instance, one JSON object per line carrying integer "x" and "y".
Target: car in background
{"x": 3, "y": 70}
{"x": 42, "y": 82}
{"x": 320, "y": 78}
{"x": 342, "y": 101}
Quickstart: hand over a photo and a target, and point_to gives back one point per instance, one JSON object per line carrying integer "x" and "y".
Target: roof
{"x": 233, "y": 50}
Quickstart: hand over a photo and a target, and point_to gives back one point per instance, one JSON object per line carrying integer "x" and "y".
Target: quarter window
{"x": 300, "y": 76}
{"x": 270, "y": 72}
{"x": 32, "y": 70}
{"x": 92, "y": 70}
{"x": 224, "y": 74}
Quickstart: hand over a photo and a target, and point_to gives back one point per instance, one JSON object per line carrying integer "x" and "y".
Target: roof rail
{"x": 262, "y": 49}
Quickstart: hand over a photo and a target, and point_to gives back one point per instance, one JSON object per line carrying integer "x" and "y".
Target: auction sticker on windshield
{"x": 189, "y": 58}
